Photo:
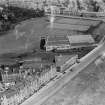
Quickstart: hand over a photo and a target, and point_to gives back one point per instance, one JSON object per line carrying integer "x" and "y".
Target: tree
{"x": 66, "y": 3}
{"x": 78, "y": 4}
{"x": 93, "y": 4}
{"x": 103, "y": 1}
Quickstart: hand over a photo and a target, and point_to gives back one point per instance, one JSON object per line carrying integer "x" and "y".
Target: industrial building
{"x": 57, "y": 42}
{"x": 64, "y": 62}
{"x": 78, "y": 41}
{"x": 69, "y": 42}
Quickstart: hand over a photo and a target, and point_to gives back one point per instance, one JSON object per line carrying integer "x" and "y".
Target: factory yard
{"x": 87, "y": 88}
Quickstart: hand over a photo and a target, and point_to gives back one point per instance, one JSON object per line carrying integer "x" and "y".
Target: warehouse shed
{"x": 57, "y": 42}
{"x": 77, "y": 41}
{"x": 66, "y": 42}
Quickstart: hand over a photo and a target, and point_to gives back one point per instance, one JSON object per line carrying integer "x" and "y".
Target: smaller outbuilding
{"x": 78, "y": 41}
{"x": 63, "y": 62}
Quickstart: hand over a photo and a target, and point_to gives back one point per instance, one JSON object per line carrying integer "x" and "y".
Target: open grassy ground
{"x": 87, "y": 88}
{"x": 26, "y": 36}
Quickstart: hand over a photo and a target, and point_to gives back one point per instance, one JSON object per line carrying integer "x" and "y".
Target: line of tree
{"x": 10, "y": 16}
{"x": 92, "y": 4}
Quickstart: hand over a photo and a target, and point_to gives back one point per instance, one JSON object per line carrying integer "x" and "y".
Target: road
{"x": 54, "y": 86}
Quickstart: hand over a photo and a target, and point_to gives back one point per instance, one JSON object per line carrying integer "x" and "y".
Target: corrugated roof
{"x": 57, "y": 37}
{"x": 73, "y": 39}
{"x": 57, "y": 43}
{"x": 34, "y": 64}
{"x": 57, "y": 40}
{"x": 80, "y": 44}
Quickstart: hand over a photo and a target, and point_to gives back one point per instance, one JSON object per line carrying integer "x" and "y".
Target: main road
{"x": 55, "y": 85}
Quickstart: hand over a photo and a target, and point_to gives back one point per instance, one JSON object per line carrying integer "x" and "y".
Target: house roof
{"x": 34, "y": 64}
{"x": 10, "y": 92}
{"x": 70, "y": 40}
{"x": 57, "y": 37}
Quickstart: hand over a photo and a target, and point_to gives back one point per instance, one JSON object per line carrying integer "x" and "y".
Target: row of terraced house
{"x": 26, "y": 86}
{"x": 31, "y": 79}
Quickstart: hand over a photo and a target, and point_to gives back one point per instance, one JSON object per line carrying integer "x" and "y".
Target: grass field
{"x": 26, "y": 36}
{"x": 87, "y": 88}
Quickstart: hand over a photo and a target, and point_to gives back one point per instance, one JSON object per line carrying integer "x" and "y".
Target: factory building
{"x": 78, "y": 41}
{"x": 69, "y": 42}
{"x": 63, "y": 62}
{"x": 57, "y": 42}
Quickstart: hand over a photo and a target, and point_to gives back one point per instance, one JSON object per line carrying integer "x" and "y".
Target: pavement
{"x": 54, "y": 86}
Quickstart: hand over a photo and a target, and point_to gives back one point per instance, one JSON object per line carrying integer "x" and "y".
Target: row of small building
{"x": 30, "y": 79}
{"x": 27, "y": 85}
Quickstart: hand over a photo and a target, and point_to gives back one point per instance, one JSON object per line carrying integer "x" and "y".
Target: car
{"x": 77, "y": 60}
